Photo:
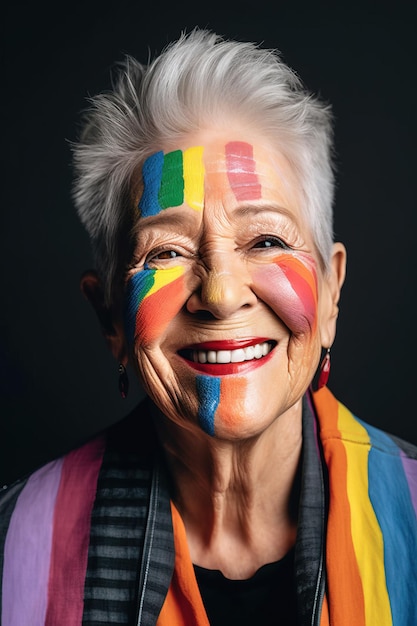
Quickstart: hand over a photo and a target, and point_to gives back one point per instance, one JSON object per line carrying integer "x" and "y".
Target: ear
{"x": 111, "y": 325}
{"x": 333, "y": 282}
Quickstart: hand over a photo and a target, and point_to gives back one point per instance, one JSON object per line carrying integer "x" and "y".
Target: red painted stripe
{"x": 71, "y": 534}
{"x": 241, "y": 171}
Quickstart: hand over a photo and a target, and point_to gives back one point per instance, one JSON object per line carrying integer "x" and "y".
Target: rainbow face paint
{"x": 203, "y": 257}
{"x": 241, "y": 171}
{"x": 289, "y": 286}
{"x": 171, "y": 179}
{"x": 152, "y": 298}
{"x": 220, "y": 398}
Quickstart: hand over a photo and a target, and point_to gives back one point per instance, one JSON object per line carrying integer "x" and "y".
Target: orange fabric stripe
{"x": 183, "y": 605}
{"x": 324, "y": 616}
{"x": 344, "y": 594}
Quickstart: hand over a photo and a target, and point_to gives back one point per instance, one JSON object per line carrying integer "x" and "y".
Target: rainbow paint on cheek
{"x": 241, "y": 171}
{"x": 208, "y": 392}
{"x": 289, "y": 286}
{"x": 171, "y": 179}
{"x": 221, "y": 398}
{"x": 152, "y": 299}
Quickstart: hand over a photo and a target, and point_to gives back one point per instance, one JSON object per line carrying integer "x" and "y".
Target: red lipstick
{"x": 249, "y": 363}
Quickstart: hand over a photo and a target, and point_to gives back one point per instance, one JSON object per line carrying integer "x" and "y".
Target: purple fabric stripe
{"x": 27, "y": 553}
{"x": 410, "y": 470}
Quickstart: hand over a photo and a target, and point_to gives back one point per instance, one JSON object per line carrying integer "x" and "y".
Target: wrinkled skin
{"x": 234, "y": 262}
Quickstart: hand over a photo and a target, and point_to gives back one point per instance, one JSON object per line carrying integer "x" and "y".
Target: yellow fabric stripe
{"x": 164, "y": 277}
{"x": 193, "y": 172}
{"x": 366, "y": 533}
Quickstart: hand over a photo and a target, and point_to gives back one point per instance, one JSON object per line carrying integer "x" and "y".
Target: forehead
{"x": 227, "y": 170}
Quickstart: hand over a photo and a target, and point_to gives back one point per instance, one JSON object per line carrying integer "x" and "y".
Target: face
{"x": 222, "y": 302}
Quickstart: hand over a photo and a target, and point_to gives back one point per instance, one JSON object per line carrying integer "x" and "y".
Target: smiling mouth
{"x": 221, "y": 357}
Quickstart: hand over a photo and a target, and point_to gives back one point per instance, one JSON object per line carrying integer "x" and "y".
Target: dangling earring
{"x": 324, "y": 370}
{"x": 123, "y": 381}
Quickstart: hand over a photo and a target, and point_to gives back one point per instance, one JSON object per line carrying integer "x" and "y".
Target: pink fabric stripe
{"x": 410, "y": 469}
{"x": 28, "y": 549}
{"x": 71, "y": 537}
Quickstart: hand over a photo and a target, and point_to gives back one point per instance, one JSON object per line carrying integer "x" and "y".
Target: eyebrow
{"x": 252, "y": 209}
{"x": 166, "y": 218}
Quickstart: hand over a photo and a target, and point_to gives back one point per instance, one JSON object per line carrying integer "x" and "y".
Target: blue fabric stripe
{"x": 391, "y": 499}
{"x": 208, "y": 390}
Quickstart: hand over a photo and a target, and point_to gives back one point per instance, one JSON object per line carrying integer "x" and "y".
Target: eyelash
{"x": 276, "y": 243}
{"x": 171, "y": 251}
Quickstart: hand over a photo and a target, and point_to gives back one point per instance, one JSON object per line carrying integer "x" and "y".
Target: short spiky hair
{"x": 198, "y": 80}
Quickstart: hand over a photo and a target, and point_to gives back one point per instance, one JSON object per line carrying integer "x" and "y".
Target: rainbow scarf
{"x": 371, "y": 552}
{"x": 371, "y": 545}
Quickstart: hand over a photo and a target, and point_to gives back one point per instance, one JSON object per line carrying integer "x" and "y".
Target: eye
{"x": 269, "y": 241}
{"x": 163, "y": 255}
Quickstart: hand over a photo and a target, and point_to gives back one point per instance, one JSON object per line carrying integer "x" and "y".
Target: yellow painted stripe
{"x": 164, "y": 277}
{"x": 194, "y": 177}
{"x": 366, "y": 533}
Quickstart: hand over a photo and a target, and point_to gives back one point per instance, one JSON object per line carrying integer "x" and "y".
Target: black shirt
{"x": 266, "y": 599}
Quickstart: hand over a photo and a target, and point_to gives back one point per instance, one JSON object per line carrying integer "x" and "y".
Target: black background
{"x": 58, "y": 382}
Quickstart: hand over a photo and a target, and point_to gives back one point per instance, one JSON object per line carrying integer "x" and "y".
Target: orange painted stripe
{"x": 232, "y": 400}
{"x": 158, "y": 309}
{"x": 295, "y": 265}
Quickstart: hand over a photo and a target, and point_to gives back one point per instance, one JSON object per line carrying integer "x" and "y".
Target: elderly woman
{"x": 240, "y": 491}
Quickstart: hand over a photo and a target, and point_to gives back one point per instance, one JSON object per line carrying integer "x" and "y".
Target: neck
{"x": 236, "y": 498}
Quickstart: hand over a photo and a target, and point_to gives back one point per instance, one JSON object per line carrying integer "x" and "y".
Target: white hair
{"x": 197, "y": 80}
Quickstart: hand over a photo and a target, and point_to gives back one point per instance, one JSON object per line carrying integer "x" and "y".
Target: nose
{"x": 224, "y": 287}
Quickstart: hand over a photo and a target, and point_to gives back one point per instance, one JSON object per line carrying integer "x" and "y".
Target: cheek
{"x": 152, "y": 299}
{"x": 289, "y": 287}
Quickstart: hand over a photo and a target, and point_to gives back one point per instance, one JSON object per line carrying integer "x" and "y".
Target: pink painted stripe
{"x": 241, "y": 171}
{"x": 71, "y": 536}
{"x": 410, "y": 470}
{"x": 28, "y": 549}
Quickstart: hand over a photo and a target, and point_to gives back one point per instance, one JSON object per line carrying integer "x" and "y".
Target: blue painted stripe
{"x": 208, "y": 391}
{"x": 136, "y": 289}
{"x": 151, "y": 175}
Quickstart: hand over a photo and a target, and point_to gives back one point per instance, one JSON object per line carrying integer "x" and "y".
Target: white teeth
{"x": 232, "y": 356}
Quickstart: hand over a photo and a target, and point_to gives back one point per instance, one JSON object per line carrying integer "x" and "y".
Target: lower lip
{"x": 223, "y": 369}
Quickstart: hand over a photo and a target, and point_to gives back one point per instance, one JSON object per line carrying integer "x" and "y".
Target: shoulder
{"x": 360, "y": 451}
{"x": 37, "y": 494}
{"x": 337, "y": 422}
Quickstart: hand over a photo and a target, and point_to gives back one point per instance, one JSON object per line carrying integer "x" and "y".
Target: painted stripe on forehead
{"x": 151, "y": 176}
{"x": 194, "y": 177}
{"x": 171, "y": 190}
{"x": 171, "y": 179}
{"x": 241, "y": 171}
